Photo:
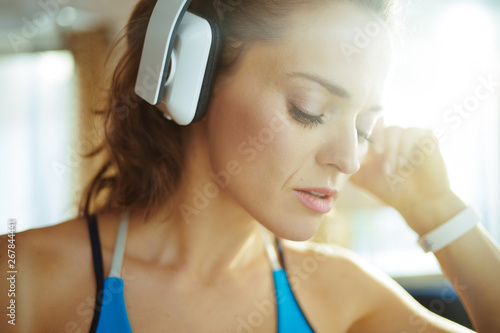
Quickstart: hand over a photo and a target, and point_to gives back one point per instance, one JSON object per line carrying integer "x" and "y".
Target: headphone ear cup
{"x": 194, "y": 59}
{"x": 210, "y": 72}
{"x": 185, "y": 47}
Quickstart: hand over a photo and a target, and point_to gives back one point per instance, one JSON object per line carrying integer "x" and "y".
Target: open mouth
{"x": 319, "y": 200}
{"x": 316, "y": 194}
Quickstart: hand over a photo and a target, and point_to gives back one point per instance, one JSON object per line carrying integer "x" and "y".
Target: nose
{"x": 340, "y": 148}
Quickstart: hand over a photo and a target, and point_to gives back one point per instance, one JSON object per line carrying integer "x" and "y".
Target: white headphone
{"x": 178, "y": 61}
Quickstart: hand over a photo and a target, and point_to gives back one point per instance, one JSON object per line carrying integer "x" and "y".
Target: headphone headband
{"x": 188, "y": 45}
{"x": 157, "y": 50}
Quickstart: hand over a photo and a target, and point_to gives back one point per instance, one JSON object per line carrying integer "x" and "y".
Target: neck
{"x": 203, "y": 231}
{"x": 209, "y": 246}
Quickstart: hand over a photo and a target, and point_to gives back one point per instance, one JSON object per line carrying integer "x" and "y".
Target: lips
{"x": 319, "y": 200}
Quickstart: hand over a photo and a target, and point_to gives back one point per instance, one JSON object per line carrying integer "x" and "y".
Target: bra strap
{"x": 98, "y": 269}
{"x": 116, "y": 266}
{"x": 271, "y": 252}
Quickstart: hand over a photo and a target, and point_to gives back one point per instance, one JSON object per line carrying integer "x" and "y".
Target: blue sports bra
{"x": 110, "y": 313}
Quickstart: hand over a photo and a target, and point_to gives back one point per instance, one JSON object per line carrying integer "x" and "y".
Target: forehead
{"x": 340, "y": 42}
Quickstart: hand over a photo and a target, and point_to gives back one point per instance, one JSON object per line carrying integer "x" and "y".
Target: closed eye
{"x": 304, "y": 117}
{"x": 362, "y": 136}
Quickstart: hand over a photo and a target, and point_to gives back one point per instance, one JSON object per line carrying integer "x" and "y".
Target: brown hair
{"x": 143, "y": 150}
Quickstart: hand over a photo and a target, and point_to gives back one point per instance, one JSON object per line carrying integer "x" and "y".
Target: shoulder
{"x": 335, "y": 271}
{"x": 55, "y": 276}
{"x": 334, "y": 286}
{"x": 45, "y": 249}
{"x": 347, "y": 291}
{"x": 65, "y": 243}
{"x": 325, "y": 261}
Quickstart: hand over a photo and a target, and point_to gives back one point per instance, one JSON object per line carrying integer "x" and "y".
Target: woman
{"x": 292, "y": 117}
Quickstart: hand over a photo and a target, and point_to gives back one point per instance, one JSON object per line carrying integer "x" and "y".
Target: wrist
{"x": 450, "y": 231}
{"x": 432, "y": 213}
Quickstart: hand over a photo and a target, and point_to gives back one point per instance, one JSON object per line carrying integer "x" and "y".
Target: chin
{"x": 297, "y": 229}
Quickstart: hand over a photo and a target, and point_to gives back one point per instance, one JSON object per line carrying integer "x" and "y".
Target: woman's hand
{"x": 405, "y": 169}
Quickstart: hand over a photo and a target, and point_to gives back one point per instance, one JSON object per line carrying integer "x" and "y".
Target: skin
{"x": 206, "y": 271}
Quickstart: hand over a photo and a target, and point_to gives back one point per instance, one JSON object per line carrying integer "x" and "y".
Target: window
{"x": 37, "y": 122}
{"x": 446, "y": 79}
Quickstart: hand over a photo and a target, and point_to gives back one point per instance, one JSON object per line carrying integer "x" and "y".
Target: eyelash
{"x": 310, "y": 120}
{"x": 305, "y": 118}
{"x": 362, "y": 136}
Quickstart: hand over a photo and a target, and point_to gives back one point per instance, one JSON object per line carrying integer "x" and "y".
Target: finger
{"x": 392, "y": 148}
{"x": 410, "y": 146}
{"x": 378, "y": 136}
{"x": 409, "y": 140}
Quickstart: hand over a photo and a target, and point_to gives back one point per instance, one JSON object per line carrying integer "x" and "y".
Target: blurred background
{"x": 51, "y": 74}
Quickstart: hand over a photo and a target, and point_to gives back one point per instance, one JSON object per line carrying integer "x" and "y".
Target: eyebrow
{"x": 332, "y": 88}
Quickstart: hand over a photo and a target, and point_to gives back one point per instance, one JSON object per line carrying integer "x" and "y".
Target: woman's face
{"x": 292, "y": 120}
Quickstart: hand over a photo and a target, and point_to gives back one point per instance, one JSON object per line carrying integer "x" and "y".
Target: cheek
{"x": 257, "y": 136}
{"x": 232, "y": 126}
{"x": 254, "y": 142}
{"x": 267, "y": 154}
{"x": 251, "y": 133}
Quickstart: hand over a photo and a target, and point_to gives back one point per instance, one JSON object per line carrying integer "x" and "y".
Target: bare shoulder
{"x": 328, "y": 263}
{"x": 54, "y": 280}
{"x": 346, "y": 291}
{"x": 331, "y": 284}
{"x": 334, "y": 271}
